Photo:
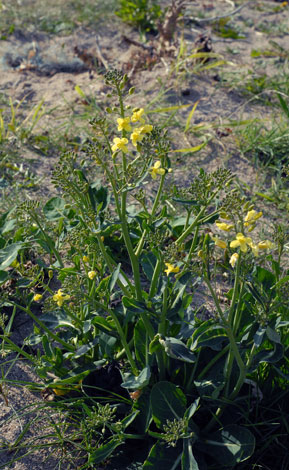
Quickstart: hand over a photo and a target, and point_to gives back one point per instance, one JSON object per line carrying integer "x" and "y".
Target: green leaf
{"x": 114, "y": 278}
{"x": 162, "y": 457}
{"x": 103, "y": 325}
{"x": 144, "y": 417}
{"x": 9, "y": 254}
{"x": 104, "y": 451}
{"x": 192, "y": 409}
{"x": 188, "y": 460}
{"x": 273, "y": 335}
{"x": 98, "y": 195}
{"x": 188, "y": 122}
{"x": 148, "y": 262}
{"x": 85, "y": 348}
{"x": 4, "y": 276}
{"x": 178, "y": 350}
{"x": 140, "y": 342}
{"x": 168, "y": 402}
{"x": 269, "y": 355}
{"x": 54, "y": 208}
{"x": 8, "y": 226}
{"x": 209, "y": 334}
{"x": 231, "y": 445}
{"x": 139, "y": 382}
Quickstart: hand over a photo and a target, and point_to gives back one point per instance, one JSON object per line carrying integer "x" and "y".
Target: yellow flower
{"x": 224, "y": 226}
{"x": 265, "y": 245}
{"x": 255, "y": 249}
{"x": 220, "y": 243}
{"x": 139, "y": 132}
{"x": 60, "y": 298}
{"x": 171, "y": 269}
{"x": 242, "y": 242}
{"x": 85, "y": 259}
{"x": 91, "y": 274}
{"x": 233, "y": 259}
{"x": 137, "y": 115}
{"x": 124, "y": 124}
{"x": 37, "y": 297}
{"x": 251, "y": 217}
{"x": 146, "y": 129}
{"x": 136, "y": 137}
{"x": 119, "y": 144}
{"x": 156, "y": 170}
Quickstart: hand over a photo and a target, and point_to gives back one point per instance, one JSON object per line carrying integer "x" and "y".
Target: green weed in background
{"x": 143, "y": 14}
{"x": 126, "y": 351}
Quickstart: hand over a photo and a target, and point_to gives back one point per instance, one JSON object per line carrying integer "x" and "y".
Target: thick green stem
{"x": 110, "y": 263}
{"x": 124, "y": 342}
{"x": 155, "y": 278}
{"x": 235, "y": 291}
{"x": 196, "y": 221}
{"x": 129, "y": 247}
{"x": 154, "y": 208}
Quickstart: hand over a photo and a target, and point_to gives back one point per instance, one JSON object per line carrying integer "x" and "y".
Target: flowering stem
{"x": 235, "y": 291}
{"x": 154, "y": 208}
{"x": 196, "y": 221}
{"x": 123, "y": 341}
{"x": 110, "y": 263}
{"x": 129, "y": 247}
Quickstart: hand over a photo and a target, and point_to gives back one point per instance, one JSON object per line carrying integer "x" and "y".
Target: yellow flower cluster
{"x": 242, "y": 241}
{"x": 59, "y": 298}
{"x": 138, "y": 133}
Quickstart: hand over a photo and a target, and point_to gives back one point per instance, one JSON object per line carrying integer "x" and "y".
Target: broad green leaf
{"x": 148, "y": 262}
{"x": 209, "y": 334}
{"x": 103, "y": 325}
{"x": 178, "y": 350}
{"x": 162, "y": 457}
{"x": 168, "y": 402}
{"x": 139, "y": 382}
{"x": 104, "y": 451}
{"x": 85, "y": 348}
{"x": 8, "y": 226}
{"x": 54, "y": 320}
{"x": 273, "y": 335}
{"x": 231, "y": 445}
{"x": 144, "y": 417}
{"x": 4, "y": 276}
{"x": 9, "y": 254}
{"x": 188, "y": 460}
{"x": 269, "y": 355}
{"x": 54, "y": 208}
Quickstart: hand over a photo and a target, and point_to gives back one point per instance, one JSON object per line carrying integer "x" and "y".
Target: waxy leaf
{"x": 168, "y": 402}
{"x": 231, "y": 445}
{"x": 177, "y": 349}
{"x": 162, "y": 457}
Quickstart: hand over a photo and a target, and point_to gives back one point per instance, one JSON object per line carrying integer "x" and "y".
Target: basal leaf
{"x": 168, "y": 402}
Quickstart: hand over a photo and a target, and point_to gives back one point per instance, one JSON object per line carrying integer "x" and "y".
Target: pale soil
{"x": 216, "y": 104}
